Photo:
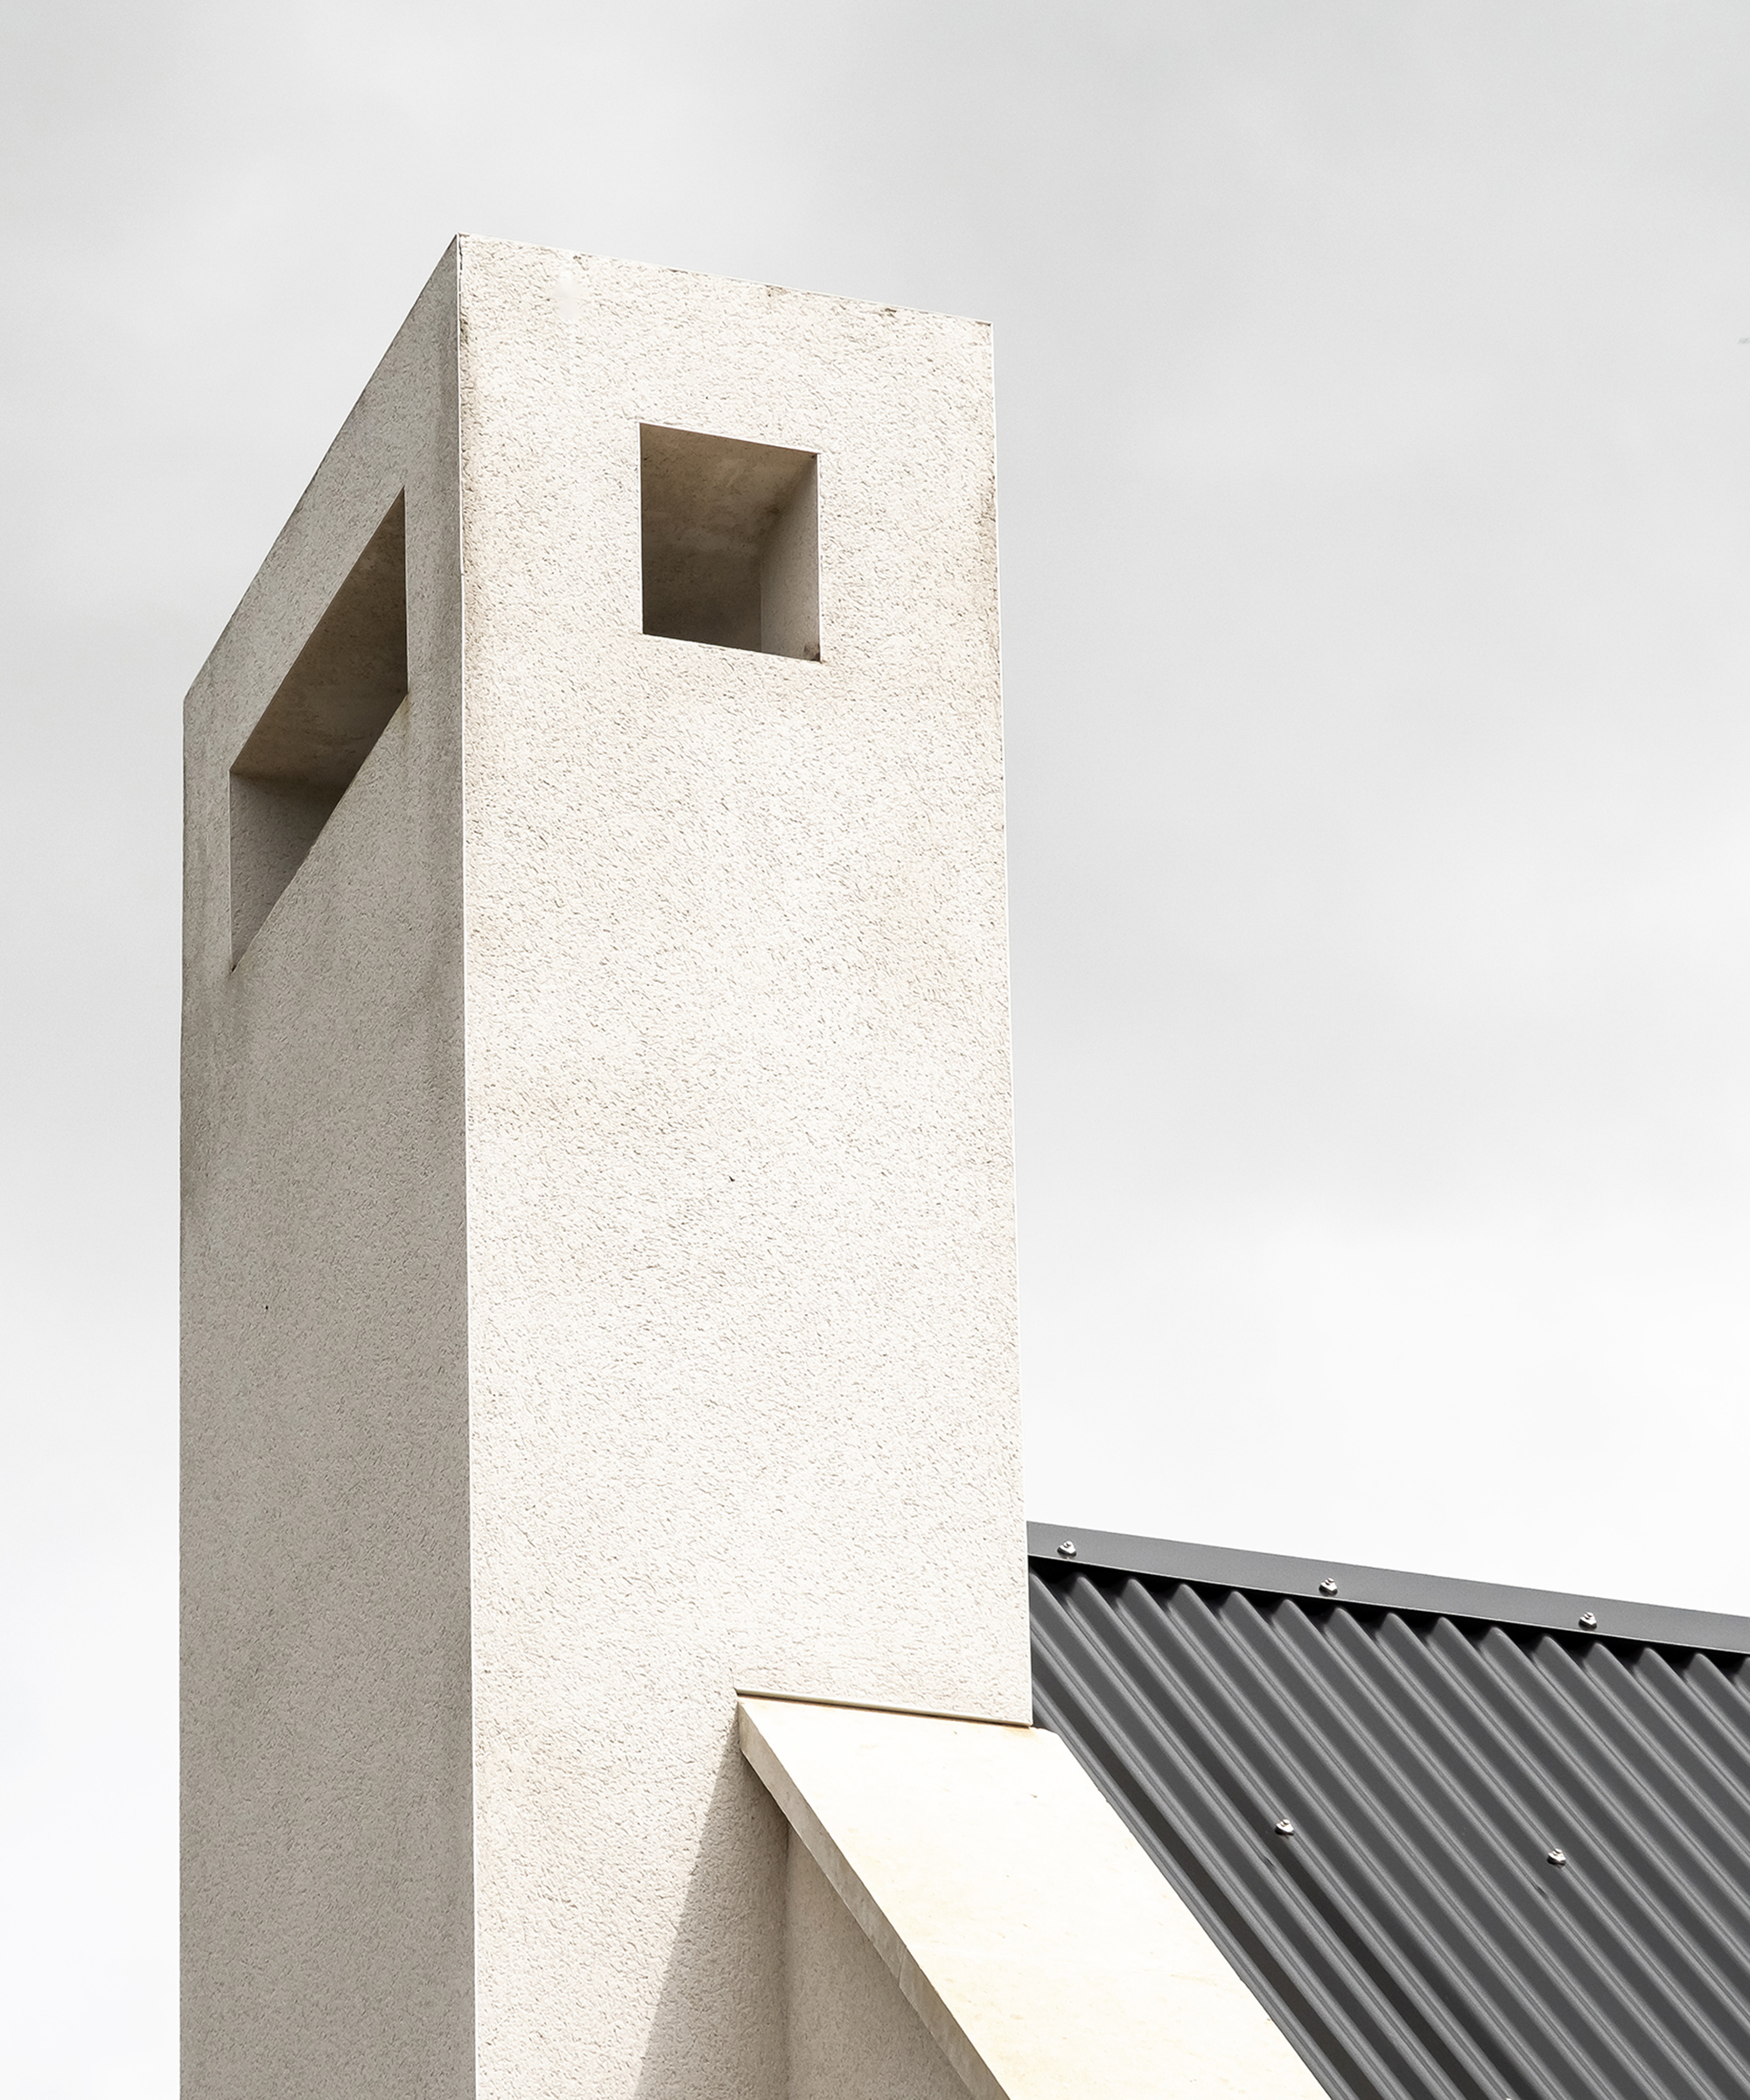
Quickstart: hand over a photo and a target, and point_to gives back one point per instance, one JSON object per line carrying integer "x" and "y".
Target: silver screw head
{"x": 1284, "y": 1827}
{"x": 1329, "y": 1587}
{"x": 1589, "y": 1620}
{"x": 1068, "y": 1549}
{"x": 1558, "y": 1858}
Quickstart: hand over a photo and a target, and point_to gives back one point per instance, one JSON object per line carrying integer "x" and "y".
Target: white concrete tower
{"x": 598, "y": 1265}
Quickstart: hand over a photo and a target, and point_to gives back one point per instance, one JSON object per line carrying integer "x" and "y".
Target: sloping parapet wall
{"x": 1022, "y": 1924}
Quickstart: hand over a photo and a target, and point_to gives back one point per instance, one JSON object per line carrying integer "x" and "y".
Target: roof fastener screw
{"x": 1329, "y": 1587}
{"x": 1284, "y": 1827}
{"x": 1589, "y": 1620}
{"x": 1068, "y": 1549}
{"x": 1558, "y": 1858}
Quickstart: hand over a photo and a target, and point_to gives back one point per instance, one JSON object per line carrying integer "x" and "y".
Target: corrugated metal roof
{"x": 1414, "y": 1934}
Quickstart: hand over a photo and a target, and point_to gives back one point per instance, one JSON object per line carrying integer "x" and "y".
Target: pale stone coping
{"x": 1035, "y": 1939}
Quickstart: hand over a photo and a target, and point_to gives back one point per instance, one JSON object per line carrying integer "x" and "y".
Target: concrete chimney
{"x": 599, "y": 1272}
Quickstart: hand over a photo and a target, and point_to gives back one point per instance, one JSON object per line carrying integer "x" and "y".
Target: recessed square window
{"x": 317, "y": 729}
{"x": 731, "y": 543}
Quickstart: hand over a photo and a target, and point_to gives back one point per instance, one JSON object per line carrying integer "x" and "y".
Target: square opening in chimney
{"x": 319, "y": 727}
{"x": 731, "y": 543}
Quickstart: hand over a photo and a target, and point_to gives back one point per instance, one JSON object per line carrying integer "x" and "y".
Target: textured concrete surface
{"x": 740, "y": 1231}
{"x": 599, "y": 1258}
{"x": 1035, "y": 1939}
{"x": 327, "y": 1802}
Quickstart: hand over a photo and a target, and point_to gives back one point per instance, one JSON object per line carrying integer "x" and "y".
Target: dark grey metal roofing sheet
{"x": 1412, "y": 1936}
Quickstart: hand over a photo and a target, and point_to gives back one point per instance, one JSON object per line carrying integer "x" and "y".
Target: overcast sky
{"x": 1374, "y": 410}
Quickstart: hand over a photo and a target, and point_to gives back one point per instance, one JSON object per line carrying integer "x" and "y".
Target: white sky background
{"x": 1376, "y": 502}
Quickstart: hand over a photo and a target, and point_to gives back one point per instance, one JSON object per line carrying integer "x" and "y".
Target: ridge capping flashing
{"x": 1391, "y": 1589}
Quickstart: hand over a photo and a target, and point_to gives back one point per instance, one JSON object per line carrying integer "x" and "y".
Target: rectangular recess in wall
{"x": 730, "y": 540}
{"x": 319, "y": 727}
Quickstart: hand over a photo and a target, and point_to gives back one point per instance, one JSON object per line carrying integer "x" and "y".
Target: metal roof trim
{"x": 1391, "y": 1589}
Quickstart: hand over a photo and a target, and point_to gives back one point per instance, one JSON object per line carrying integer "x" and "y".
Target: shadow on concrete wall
{"x": 719, "y": 2033}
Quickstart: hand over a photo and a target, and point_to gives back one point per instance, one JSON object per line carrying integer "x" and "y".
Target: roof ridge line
{"x": 1391, "y": 1589}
